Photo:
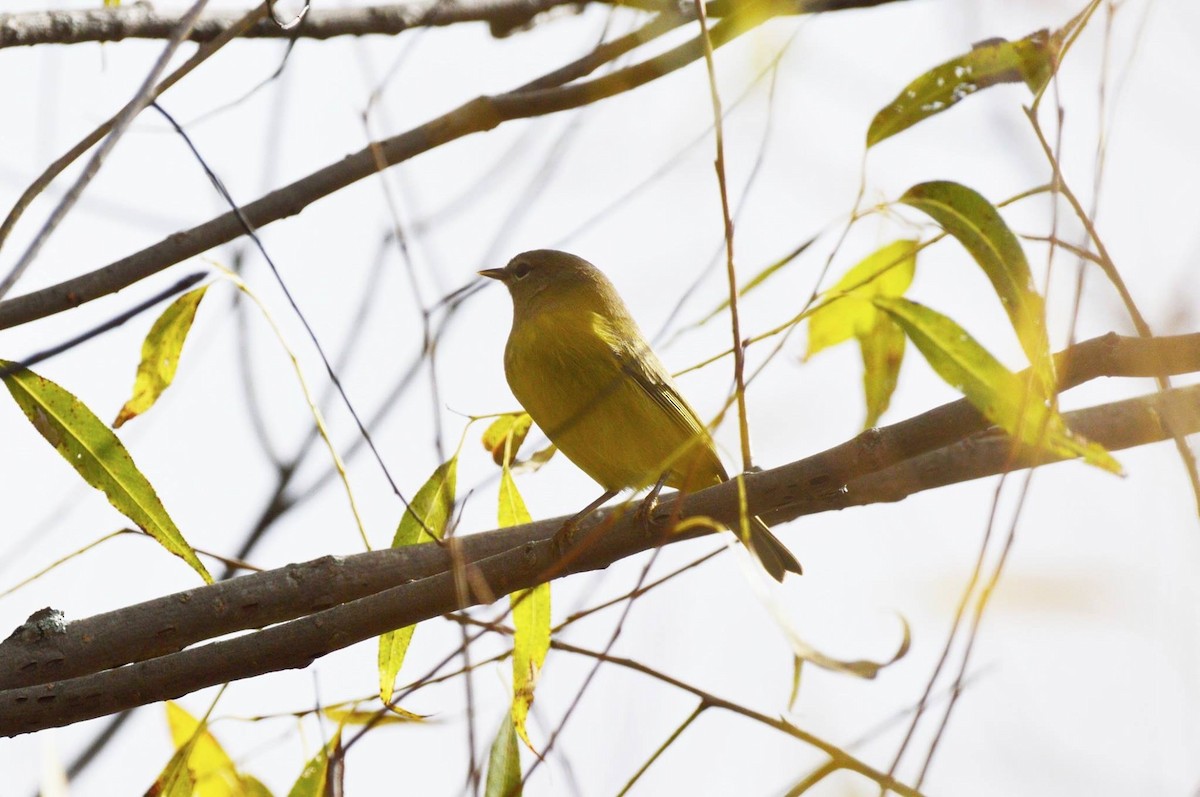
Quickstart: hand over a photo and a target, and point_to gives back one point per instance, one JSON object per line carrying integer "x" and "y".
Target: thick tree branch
{"x": 143, "y": 21}
{"x": 478, "y": 115}
{"x": 57, "y": 676}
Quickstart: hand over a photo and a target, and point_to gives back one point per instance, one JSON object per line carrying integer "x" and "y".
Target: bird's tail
{"x": 776, "y": 559}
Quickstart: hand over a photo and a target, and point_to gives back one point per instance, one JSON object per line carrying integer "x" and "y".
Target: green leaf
{"x": 978, "y": 226}
{"x": 98, "y": 456}
{"x": 1003, "y": 397}
{"x": 428, "y": 513}
{"x": 888, "y": 271}
{"x": 531, "y": 618}
{"x": 311, "y": 782}
{"x": 160, "y": 354}
{"x": 1030, "y": 60}
{"x": 495, "y": 439}
{"x": 504, "y": 764}
{"x": 882, "y": 354}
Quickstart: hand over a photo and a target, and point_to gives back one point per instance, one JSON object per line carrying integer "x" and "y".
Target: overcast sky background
{"x": 1083, "y": 680}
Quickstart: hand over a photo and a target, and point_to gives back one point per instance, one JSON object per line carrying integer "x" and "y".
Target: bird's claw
{"x": 644, "y": 514}
{"x": 564, "y": 538}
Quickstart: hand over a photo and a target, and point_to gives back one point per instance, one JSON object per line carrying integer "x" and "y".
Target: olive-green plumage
{"x": 580, "y": 367}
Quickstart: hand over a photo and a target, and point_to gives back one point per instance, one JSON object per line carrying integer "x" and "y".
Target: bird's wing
{"x": 639, "y": 362}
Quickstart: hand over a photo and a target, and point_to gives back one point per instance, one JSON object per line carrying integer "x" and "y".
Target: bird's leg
{"x": 646, "y": 508}
{"x": 564, "y": 536}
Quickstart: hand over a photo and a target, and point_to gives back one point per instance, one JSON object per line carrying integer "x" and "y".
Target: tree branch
{"x": 478, "y": 115}
{"x": 57, "y": 675}
{"x": 143, "y": 21}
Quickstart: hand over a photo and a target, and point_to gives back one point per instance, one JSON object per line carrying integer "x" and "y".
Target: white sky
{"x": 1084, "y": 676}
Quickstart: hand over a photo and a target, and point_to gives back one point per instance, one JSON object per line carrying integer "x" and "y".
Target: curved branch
{"x": 475, "y": 116}
{"x": 142, "y": 21}
{"x": 371, "y": 593}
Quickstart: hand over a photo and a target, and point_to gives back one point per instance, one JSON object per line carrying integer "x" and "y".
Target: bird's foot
{"x": 645, "y": 511}
{"x": 564, "y": 538}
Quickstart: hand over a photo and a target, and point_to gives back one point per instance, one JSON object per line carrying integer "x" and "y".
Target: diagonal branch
{"x": 143, "y": 21}
{"x": 58, "y": 675}
{"x": 475, "y": 116}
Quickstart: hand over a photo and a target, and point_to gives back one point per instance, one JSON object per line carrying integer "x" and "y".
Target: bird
{"x": 578, "y": 364}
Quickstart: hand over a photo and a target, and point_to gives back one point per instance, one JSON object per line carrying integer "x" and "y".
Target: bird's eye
{"x": 520, "y": 270}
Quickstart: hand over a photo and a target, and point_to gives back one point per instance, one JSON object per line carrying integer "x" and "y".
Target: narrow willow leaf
{"x": 213, "y": 771}
{"x": 98, "y": 456}
{"x": 882, "y": 355}
{"x": 176, "y": 779}
{"x": 1029, "y": 60}
{"x": 888, "y": 271}
{"x": 1002, "y": 396}
{"x": 395, "y": 716}
{"x": 978, "y": 226}
{"x": 495, "y": 438}
{"x": 531, "y": 618}
{"x": 311, "y": 782}
{"x": 160, "y": 354}
{"x": 504, "y": 764}
{"x": 797, "y": 670}
{"x": 427, "y": 513}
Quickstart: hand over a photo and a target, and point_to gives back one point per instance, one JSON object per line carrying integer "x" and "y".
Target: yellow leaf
{"x": 160, "y": 354}
{"x": 531, "y": 618}
{"x": 888, "y": 271}
{"x": 200, "y": 767}
{"x": 496, "y": 438}
{"x": 395, "y": 716}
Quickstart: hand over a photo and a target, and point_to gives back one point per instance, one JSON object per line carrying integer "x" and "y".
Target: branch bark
{"x": 143, "y": 21}
{"x": 56, "y": 675}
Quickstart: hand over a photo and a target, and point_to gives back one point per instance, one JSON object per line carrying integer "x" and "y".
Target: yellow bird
{"x": 580, "y": 367}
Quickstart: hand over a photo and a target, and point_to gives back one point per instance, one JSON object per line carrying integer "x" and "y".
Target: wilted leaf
{"x": 504, "y": 764}
{"x": 531, "y": 617}
{"x": 97, "y": 455}
{"x": 978, "y": 226}
{"x": 160, "y": 354}
{"x": 427, "y": 513}
{"x": 536, "y": 460}
{"x": 495, "y": 439}
{"x": 1002, "y": 396}
{"x": 394, "y": 716}
{"x": 1030, "y": 60}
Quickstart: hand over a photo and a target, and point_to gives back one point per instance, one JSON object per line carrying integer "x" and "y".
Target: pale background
{"x": 1084, "y": 679}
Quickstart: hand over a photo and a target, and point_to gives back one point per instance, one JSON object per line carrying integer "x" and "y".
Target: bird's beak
{"x": 493, "y": 273}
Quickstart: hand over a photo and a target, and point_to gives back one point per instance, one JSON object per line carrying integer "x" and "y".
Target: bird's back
{"x": 604, "y": 398}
